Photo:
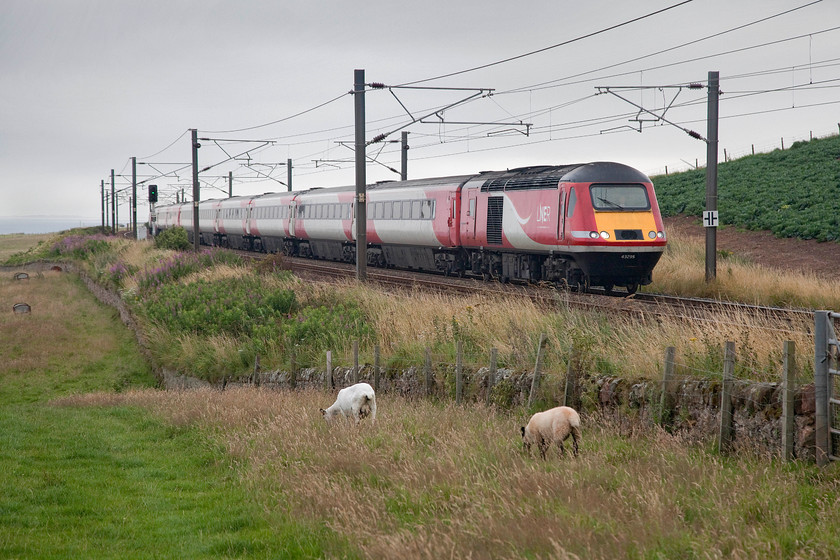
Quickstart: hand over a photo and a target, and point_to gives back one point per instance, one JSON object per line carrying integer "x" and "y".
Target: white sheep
{"x": 355, "y": 402}
{"x": 552, "y": 425}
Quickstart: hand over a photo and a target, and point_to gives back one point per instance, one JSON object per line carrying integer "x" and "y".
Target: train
{"x": 581, "y": 225}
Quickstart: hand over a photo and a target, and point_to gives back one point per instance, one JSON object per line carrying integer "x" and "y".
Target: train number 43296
{"x": 628, "y": 256}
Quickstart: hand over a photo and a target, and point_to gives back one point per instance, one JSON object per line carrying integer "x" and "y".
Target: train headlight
{"x": 660, "y": 234}
{"x": 593, "y": 234}
{"x": 652, "y": 234}
{"x": 605, "y": 235}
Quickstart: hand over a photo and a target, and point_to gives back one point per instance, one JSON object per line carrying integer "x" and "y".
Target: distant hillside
{"x": 793, "y": 192}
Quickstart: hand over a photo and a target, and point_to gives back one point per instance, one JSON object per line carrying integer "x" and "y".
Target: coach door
{"x": 561, "y": 215}
{"x": 469, "y": 222}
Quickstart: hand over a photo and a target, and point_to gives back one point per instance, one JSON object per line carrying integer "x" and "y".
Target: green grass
{"x": 116, "y": 481}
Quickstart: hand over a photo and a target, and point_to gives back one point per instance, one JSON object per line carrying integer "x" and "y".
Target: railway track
{"x": 643, "y": 304}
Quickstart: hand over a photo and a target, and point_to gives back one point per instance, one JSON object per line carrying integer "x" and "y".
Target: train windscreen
{"x": 618, "y": 198}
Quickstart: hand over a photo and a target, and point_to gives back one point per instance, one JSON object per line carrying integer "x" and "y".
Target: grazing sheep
{"x": 552, "y": 425}
{"x": 355, "y": 402}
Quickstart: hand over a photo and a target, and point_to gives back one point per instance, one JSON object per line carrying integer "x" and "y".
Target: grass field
{"x": 116, "y": 482}
{"x": 14, "y": 243}
{"x": 96, "y": 463}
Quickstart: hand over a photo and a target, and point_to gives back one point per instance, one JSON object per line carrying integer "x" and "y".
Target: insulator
{"x": 377, "y": 85}
{"x": 378, "y": 138}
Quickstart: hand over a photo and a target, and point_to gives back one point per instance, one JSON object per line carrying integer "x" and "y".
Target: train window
{"x": 379, "y": 210}
{"x": 415, "y": 209}
{"x": 618, "y": 198}
{"x": 572, "y": 201}
{"x": 386, "y": 214}
{"x": 471, "y": 209}
{"x": 397, "y": 207}
{"x": 406, "y": 209}
{"x": 426, "y": 210}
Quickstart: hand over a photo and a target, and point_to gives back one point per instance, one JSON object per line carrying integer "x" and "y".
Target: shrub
{"x": 174, "y": 238}
{"x": 80, "y": 247}
{"x": 233, "y": 306}
{"x": 181, "y": 265}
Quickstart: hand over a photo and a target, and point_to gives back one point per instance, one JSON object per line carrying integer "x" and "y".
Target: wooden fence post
{"x": 725, "y": 441}
{"x": 491, "y": 375}
{"x": 328, "y": 374}
{"x": 257, "y": 371}
{"x": 570, "y": 392}
{"x": 787, "y": 400}
{"x": 355, "y": 361}
{"x": 293, "y": 372}
{"x": 459, "y": 380}
{"x": 376, "y": 368}
{"x": 822, "y": 359}
{"x": 666, "y": 402}
{"x": 535, "y": 382}
{"x": 428, "y": 371}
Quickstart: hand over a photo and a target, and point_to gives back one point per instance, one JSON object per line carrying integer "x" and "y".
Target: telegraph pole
{"x": 113, "y": 206}
{"x": 404, "y": 168}
{"x": 196, "y": 194}
{"x": 710, "y": 216}
{"x": 102, "y": 194}
{"x": 289, "y": 174}
{"x": 134, "y": 196}
{"x": 361, "y": 176}
{"x": 230, "y": 184}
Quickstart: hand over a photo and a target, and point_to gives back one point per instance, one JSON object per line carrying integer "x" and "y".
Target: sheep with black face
{"x": 550, "y": 426}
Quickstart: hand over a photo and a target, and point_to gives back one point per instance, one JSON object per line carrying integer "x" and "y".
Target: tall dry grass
{"x": 433, "y": 481}
{"x": 406, "y": 323}
{"x": 682, "y": 271}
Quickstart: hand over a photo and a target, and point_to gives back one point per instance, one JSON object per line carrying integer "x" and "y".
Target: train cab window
{"x": 570, "y": 209}
{"x": 619, "y": 198}
{"x": 471, "y": 209}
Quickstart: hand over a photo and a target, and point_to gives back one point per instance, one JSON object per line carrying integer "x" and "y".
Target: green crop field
{"x": 793, "y": 192}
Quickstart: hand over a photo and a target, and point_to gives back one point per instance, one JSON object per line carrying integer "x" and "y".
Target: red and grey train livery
{"x": 593, "y": 224}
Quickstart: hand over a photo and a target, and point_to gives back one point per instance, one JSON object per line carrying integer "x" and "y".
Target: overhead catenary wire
{"x": 544, "y": 85}
{"x": 542, "y": 111}
{"x": 544, "y": 49}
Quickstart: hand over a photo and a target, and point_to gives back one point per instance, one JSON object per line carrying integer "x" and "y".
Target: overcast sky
{"x": 86, "y": 85}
